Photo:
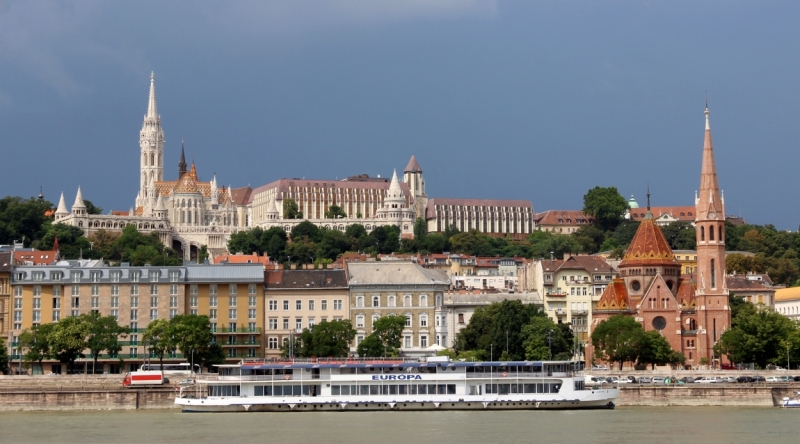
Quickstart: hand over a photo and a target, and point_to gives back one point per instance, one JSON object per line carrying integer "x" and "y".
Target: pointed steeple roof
{"x": 413, "y": 166}
{"x": 709, "y": 202}
{"x": 62, "y": 205}
{"x": 394, "y": 187}
{"x": 648, "y": 247}
{"x": 272, "y": 207}
{"x": 78, "y": 200}
{"x": 182, "y": 163}
{"x": 152, "y": 111}
{"x": 614, "y": 298}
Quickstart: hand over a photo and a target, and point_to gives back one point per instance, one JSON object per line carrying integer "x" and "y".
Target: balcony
{"x": 240, "y": 344}
{"x": 560, "y": 312}
{"x": 579, "y": 312}
{"x": 238, "y": 330}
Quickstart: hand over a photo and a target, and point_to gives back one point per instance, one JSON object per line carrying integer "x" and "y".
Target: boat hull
{"x": 600, "y": 399}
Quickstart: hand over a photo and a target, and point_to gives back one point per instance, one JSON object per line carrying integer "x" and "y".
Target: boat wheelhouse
{"x": 330, "y": 384}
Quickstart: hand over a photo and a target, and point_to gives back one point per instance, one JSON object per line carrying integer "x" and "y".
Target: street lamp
{"x": 550, "y": 342}
{"x": 491, "y": 352}
{"x": 787, "y": 355}
{"x": 507, "y": 343}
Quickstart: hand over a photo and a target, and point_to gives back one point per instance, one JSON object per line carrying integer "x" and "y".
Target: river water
{"x": 705, "y": 425}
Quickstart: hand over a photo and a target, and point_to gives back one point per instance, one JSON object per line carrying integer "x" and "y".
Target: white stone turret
{"x": 79, "y": 208}
{"x": 151, "y": 146}
{"x": 61, "y": 211}
{"x": 412, "y": 176}
{"x": 214, "y": 190}
{"x": 272, "y": 210}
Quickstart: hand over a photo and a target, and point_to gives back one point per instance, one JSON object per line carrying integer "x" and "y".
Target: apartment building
{"x": 299, "y": 299}
{"x": 399, "y": 288}
{"x": 135, "y": 296}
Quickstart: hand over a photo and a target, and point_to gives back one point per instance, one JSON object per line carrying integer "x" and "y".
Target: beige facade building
{"x": 299, "y": 299}
{"x": 135, "y": 296}
{"x": 514, "y": 218}
{"x": 6, "y": 263}
{"x": 399, "y": 288}
{"x": 571, "y": 288}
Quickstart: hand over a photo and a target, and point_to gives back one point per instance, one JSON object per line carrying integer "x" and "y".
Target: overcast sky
{"x": 535, "y": 100}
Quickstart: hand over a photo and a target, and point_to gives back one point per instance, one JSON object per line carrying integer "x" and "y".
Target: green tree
{"x": 305, "y": 229}
{"x": 71, "y": 242}
{"x": 4, "y": 360}
{"x": 617, "y": 339}
{"x": 209, "y": 356}
{"x": 332, "y": 244}
{"x": 68, "y": 339}
{"x": 301, "y": 251}
{"x": 388, "y": 331}
{"x": 37, "y": 343}
{"x": 159, "y": 337}
{"x": 654, "y": 349}
{"x": 247, "y": 241}
{"x": 102, "y": 242}
{"x": 624, "y": 233}
{"x": 327, "y": 339}
{"x": 590, "y": 238}
{"x": 420, "y": 229}
{"x": 335, "y": 212}
{"x": 104, "y": 332}
{"x": 680, "y": 235}
{"x": 202, "y": 254}
{"x": 507, "y": 322}
{"x": 472, "y": 243}
{"x": 545, "y": 244}
{"x": 758, "y": 334}
{"x": 192, "y": 334}
{"x": 371, "y": 346}
{"x": 291, "y": 210}
{"x": 23, "y": 220}
{"x": 451, "y": 231}
{"x": 91, "y": 208}
{"x": 435, "y": 243}
{"x": 541, "y": 335}
{"x": 606, "y": 205}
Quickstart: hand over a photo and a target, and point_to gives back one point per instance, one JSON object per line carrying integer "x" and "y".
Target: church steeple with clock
{"x": 714, "y": 316}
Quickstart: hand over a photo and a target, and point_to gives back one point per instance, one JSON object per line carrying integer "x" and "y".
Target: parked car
{"x": 599, "y": 367}
{"x": 706, "y": 380}
{"x": 744, "y": 379}
{"x": 631, "y": 379}
{"x": 687, "y": 379}
{"x": 774, "y": 367}
{"x": 796, "y": 378}
{"x": 759, "y": 379}
{"x": 774, "y": 379}
{"x": 645, "y": 380}
{"x": 612, "y": 379}
{"x": 657, "y": 380}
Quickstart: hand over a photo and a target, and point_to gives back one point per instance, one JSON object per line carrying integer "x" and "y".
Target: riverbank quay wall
{"x": 705, "y": 395}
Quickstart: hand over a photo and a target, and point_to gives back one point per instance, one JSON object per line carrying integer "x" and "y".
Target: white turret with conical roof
{"x": 412, "y": 176}
{"x": 395, "y": 208}
{"x": 61, "y": 211}
{"x": 79, "y": 208}
{"x": 151, "y": 146}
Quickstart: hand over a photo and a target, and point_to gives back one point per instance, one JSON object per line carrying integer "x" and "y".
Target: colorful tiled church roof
{"x": 615, "y": 297}
{"x": 648, "y": 247}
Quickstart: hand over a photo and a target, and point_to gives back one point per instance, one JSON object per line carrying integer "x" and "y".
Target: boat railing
{"x": 500, "y": 375}
{"x": 329, "y": 360}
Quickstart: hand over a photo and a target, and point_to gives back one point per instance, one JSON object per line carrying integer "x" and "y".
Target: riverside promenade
{"x": 105, "y": 392}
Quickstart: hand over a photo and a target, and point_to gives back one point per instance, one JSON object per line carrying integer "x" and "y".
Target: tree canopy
{"x": 385, "y": 338}
{"x": 606, "y": 205}
{"x": 328, "y": 338}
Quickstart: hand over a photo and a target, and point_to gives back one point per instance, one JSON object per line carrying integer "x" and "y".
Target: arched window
{"x": 359, "y": 301}
{"x": 423, "y": 300}
{"x": 721, "y": 232}
{"x": 152, "y": 159}
{"x": 711, "y": 233}
{"x": 407, "y": 300}
{"x": 376, "y": 301}
{"x": 702, "y": 233}
{"x": 391, "y": 301}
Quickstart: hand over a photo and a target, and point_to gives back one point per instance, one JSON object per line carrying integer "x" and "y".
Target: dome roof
{"x": 632, "y": 203}
{"x": 648, "y": 247}
{"x": 188, "y": 183}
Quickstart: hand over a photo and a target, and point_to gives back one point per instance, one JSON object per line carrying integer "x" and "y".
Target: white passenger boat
{"x": 791, "y": 403}
{"x": 341, "y": 384}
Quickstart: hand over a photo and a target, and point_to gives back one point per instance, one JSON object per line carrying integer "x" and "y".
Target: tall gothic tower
{"x": 412, "y": 176}
{"x": 713, "y": 311}
{"x": 151, "y": 145}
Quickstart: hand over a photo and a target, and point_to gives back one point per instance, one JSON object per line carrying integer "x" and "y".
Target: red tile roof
{"x": 615, "y": 297}
{"x": 35, "y": 257}
{"x": 648, "y": 247}
{"x": 563, "y": 217}
{"x": 684, "y": 213}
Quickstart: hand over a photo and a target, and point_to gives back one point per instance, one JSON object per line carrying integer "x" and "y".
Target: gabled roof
{"x": 614, "y": 298}
{"x": 35, "y": 257}
{"x": 684, "y": 213}
{"x": 686, "y": 292}
{"x": 648, "y": 247}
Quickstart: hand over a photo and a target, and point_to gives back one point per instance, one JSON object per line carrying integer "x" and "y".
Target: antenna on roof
{"x": 648, "y": 198}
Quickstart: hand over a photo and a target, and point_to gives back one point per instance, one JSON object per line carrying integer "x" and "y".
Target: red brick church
{"x": 692, "y": 312}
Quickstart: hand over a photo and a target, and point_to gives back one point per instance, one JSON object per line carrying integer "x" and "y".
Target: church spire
{"x": 182, "y": 163}
{"x": 709, "y": 203}
{"x": 152, "y": 111}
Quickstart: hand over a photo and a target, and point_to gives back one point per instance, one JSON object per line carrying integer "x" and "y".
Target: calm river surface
{"x": 704, "y": 425}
